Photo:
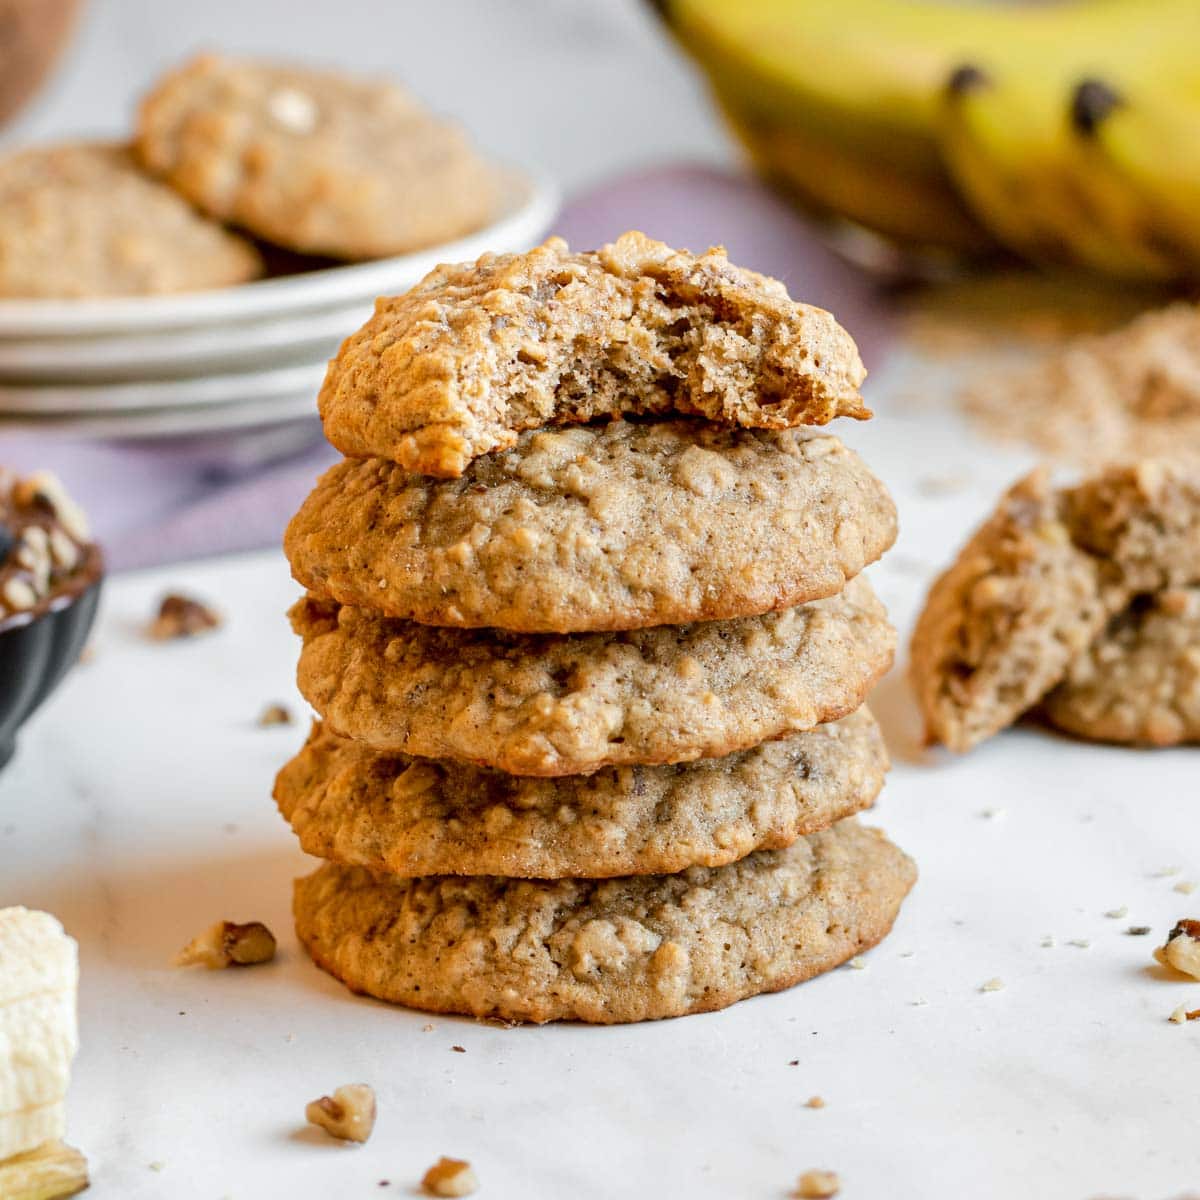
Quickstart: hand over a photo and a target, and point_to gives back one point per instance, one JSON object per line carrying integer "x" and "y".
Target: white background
{"x": 581, "y": 87}
{"x": 138, "y": 809}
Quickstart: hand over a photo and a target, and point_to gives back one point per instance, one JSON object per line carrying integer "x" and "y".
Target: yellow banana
{"x": 1149, "y": 143}
{"x": 845, "y": 105}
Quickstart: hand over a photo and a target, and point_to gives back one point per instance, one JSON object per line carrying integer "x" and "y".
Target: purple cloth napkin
{"x": 170, "y": 500}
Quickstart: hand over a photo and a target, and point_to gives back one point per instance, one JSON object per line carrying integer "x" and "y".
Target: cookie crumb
{"x": 793, "y": 1062}
{"x": 459, "y": 1049}
{"x": 181, "y": 616}
{"x": 1186, "y": 887}
{"x": 1181, "y": 1015}
{"x": 157, "y": 1166}
{"x": 817, "y": 1185}
{"x": 450, "y": 1177}
{"x": 857, "y": 963}
{"x": 274, "y": 714}
{"x": 990, "y": 814}
{"x": 992, "y": 985}
{"x": 228, "y": 944}
{"x": 349, "y": 1114}
{"x": 1116, "y": 914}
{"x": 1047, "y": 943}
{"x": 1138, "y": 930}
{"x": 427, "y": 1028}
{"x": 1181, "y": 950}
{"x": 1080, "y": 943}
{"x": 815, "y": 1102}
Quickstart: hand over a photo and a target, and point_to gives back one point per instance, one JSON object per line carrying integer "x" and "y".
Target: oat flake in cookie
{"x": 83, "y": 220}
{"x": 478, "y": 352}
{"x": 319, "y": 162}
{"x": 594, "y": 527}
{"x": 45, "y": 550}
{"x": 608, "y": 951}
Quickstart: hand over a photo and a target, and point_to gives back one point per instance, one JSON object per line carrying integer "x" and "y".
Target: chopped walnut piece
{"x": 275, "y": 714}
{"x": 50, "y": 1172}
{"x": 817, "y": 1185}
{"x": 349, "y": 1114}
{"x": 1181, "y": 1015}
{"x": 450, "y": 1177}
{"x": 228, "y": 944}
{"x": 1181, "y": 950}
{"x": 180, "y": 616}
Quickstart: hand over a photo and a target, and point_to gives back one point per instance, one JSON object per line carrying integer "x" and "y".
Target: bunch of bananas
{"x": 1067, "y": 133}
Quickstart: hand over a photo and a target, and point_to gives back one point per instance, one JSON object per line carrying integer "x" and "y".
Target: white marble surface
{"x": 138, "y": 809}
{"x": 579, "y": 87}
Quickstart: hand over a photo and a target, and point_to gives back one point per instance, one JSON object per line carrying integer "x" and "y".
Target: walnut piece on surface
{"x": 1181, "y": 951}
{"x": 450, "y": 1177}
{"x": 817, "y": 1185}
{"x": 51, "y": 1172}
{"x": 181, "y": 616}
{"x": 349, "y": 1114}
{"x": 227, "y": 944}
{"x": 275, "y": 714}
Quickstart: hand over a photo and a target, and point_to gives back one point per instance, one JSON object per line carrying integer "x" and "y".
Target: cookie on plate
{"x": 478, "y": 352}
{"x": 568, "y": 705}
{"x": 418, "y": 816}
{"x": 314, "y": 161}
{"x": 1139, "y": 681}
{"x": 606, "y": 951}
{"x": 596, "y": 527}
{"x": 83, "y": 220}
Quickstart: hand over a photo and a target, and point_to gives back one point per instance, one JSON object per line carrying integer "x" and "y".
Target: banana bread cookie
{"x": 1139, "y": 682}
{"x": 315, "y": 161}
{"x": 478, "y": 352}
{"x": 1036, "y": 585}
{"x": 82, "y": 220}
{"x": 418, "y": 816}
{"x": 606, "y": 951}
{"x": 598, "y": 527}
{"x": 569, "y": 705}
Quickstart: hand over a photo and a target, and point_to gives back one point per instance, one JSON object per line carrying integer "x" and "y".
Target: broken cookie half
{"x": 478, "y": 352}
{"x": 1077, "y": 602}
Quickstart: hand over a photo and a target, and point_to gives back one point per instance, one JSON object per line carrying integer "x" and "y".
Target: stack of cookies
{"x": 585, "y": 628}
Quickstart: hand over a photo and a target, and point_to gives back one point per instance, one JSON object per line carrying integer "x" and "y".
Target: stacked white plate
{"x": 234, "y": 358}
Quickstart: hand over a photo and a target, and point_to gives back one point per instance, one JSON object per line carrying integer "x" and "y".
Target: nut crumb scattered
{"x": 1079, "y": 943}
{"x": 815, "y": 1102}
{"x": 349, "y": 1114}
{"x": 1181, "y": 1015}
{"x": 990, "y": 814}
{"x": 920, "y": 1002}
{"x": 228, "y": 944}
{"x": 857, "y": 963}
{"x": 817, "y": 1185}
{"x": 1047, "y": 942}
{"x": 1186, "y": 887}
{"x": 1165, "y": 872}
{"x": 992, "y": 985}
{"x": 274, "y": 714}
{"x": 427, "y": 1028}
{"x": 1138, "y": 930}
{"x": 157, "y": 1166}
{"x": 450, "y": 1177}
{"x": 793, "y": 1062}
{"x": 459, "y": 1049}
{"x": 1181, "y": 950}
{"x": 181, "y": 616}
{"x": 1116, "y": 914}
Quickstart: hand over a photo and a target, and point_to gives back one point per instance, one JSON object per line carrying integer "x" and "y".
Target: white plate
{"x": 531, "y": 207}
{"x": 304, "y": 336}
{"x": 170, "y": 394}
{"x": 172, "y": 422}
